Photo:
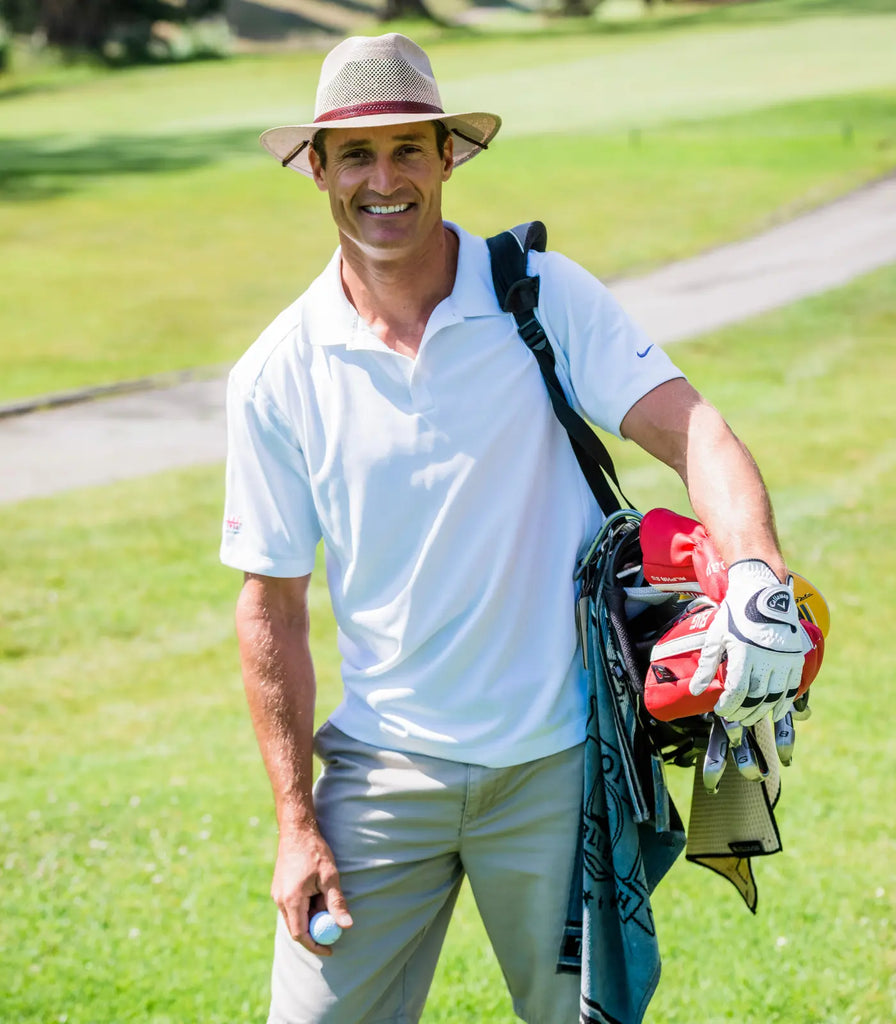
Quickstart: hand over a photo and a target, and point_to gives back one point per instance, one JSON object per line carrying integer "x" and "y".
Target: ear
{"x": 317, "y": 172}
{"x": 448, "y": 159}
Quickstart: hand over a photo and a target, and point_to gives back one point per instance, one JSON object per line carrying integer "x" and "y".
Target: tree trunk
{"x": 579, "y": 8}
{"x": 76, "y": 24}
{"x": 406, "y": 9}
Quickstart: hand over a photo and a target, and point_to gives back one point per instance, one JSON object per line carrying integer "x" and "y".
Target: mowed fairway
{"x": 136, "y": 826}
{"x": 144, "y": 230}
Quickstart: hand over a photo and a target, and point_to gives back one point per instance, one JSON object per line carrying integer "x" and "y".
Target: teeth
{"x": 388, "y": 209}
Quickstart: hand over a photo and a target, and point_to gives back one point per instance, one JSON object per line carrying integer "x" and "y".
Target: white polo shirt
{"x": 450, "y": 504}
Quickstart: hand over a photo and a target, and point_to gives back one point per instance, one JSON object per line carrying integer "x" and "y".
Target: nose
{"x": 384, "y": 177}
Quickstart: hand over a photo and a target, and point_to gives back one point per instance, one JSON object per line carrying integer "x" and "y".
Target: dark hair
{"x": 318, "y": 143}
{"x": 442, "y": 135}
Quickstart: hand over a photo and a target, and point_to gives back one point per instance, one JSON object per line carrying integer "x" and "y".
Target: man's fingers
{"x": 305, "y": 882}
{"x": 737, "y": 683}
{"x": 784, "y": 704}
{"x": 296, "y": 917}
{"x": 771, "y": 691}
{"x": 707, "y": 666}
{"x": 755, "y": 715}
{"x": 297, "y": 922}
{"x": 297, "y": 914}
{"x": 757, "y": 703}
{"x": 336, "y": 905}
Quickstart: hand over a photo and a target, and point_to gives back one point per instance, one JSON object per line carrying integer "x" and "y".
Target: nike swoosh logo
{"x": 644, "y": 353}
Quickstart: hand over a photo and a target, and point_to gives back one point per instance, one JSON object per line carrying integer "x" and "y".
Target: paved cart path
{"x": 50, "y": 450}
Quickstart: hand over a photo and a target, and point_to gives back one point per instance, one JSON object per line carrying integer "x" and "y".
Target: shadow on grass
{"x": 15, "y": 92}
{"x": 44, "y": 167}
{"x": 51, "y": 79}
{"x": 259, "y": 22}
{"x": 510, "y": 5}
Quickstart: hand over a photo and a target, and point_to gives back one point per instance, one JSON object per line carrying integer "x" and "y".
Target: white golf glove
{"x": 756, "y": 632}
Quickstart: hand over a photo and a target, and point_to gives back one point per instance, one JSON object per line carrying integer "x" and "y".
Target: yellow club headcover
{"x": 811, "y": 604}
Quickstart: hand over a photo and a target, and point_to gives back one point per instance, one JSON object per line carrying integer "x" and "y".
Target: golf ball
{"x": 324, "y": 929}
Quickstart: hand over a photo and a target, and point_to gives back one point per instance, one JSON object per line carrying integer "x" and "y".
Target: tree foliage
{"x": 88, "y": 24}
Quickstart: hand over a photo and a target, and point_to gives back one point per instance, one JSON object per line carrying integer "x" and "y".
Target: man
{"x": 394, "y": 412}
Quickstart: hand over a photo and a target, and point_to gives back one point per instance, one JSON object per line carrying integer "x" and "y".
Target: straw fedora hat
{"x": 368, "y": 81}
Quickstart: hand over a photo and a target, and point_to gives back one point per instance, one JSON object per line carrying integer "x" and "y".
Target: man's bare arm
{"x": 278, "y": 674}
{"x": 756, "y": 632}
{"x": 676, "y": 425}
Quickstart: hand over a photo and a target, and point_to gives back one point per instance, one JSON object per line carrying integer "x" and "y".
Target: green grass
{"x": 143, "y": 230}
{"x": 136, "y": 827}
{"x": 183, "y": 266}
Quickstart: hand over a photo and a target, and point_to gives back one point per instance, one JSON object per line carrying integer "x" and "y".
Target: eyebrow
{"x": 409, "y": 137}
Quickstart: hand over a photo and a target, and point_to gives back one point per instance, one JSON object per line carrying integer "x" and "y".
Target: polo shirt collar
{"x": 473, "y": 294}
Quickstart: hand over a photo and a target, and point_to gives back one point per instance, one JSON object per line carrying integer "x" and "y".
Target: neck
{"x": 396, "y": 296}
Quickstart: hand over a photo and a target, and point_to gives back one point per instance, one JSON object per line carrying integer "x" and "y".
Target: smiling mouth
{"x": 385, "y": 211}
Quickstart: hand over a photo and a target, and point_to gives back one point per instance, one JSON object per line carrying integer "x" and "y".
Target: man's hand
{"x": 757, "y": 634}
{"x": 305, "y": 881}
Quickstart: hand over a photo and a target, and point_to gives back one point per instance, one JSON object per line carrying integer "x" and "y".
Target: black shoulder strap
{"x": 518, "y": 294}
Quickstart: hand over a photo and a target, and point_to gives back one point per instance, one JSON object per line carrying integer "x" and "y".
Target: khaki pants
{"x": 405, "y": 830}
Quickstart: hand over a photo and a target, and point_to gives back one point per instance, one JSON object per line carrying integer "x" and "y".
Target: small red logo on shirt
{"x": 233, "y": 524}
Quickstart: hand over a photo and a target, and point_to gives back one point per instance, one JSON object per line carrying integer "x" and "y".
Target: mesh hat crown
{"x": 367, "y": 81}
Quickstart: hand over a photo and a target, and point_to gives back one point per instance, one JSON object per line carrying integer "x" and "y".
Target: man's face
{"x": 385, "y": 185}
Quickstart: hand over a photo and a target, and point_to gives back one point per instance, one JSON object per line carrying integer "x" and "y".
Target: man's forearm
{"x": 728, "y": 494}
{"x": 676, "y": 425}
{"x": 758, "y": 636}
{"x": 272, "y": 627}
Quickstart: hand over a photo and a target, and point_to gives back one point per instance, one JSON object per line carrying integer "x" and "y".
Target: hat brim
{"x": 471, "y": 134}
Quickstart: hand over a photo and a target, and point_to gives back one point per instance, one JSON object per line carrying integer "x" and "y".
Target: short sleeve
{"x": 270, "y": 523}
{"x": 605, "y": 362}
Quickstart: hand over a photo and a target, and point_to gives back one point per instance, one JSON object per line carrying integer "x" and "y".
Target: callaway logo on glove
{"x": 746, "y": 652}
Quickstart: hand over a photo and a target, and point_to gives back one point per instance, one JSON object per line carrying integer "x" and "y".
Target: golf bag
{"x": 611, "y": 576}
